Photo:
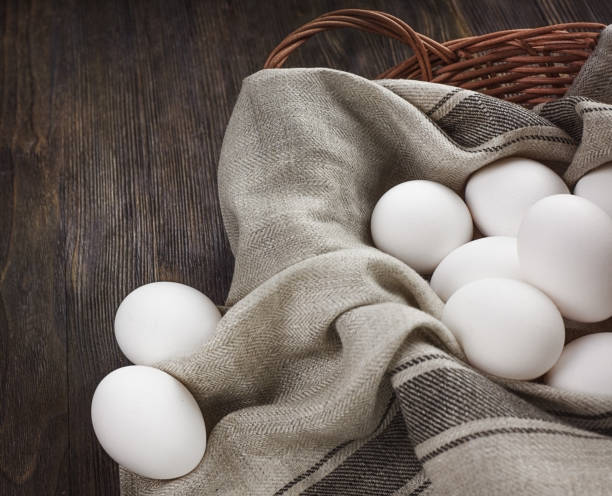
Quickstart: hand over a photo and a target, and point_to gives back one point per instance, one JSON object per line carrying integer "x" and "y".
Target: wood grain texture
{"x": 33, "y": 383}
{"x": 112, "y": 119}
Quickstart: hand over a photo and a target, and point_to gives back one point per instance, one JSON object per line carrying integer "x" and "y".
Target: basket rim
{"x": 503, "y": 63}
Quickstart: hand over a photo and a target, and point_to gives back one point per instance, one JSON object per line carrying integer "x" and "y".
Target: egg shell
{"x": 596, "y": 186}
{"x": 585, "y": 365}
{"x": 499, "y": 194}
{"x": 565, "y": 249}
{"x": 420, "y": 222}
{"x": 164, "y": 320}
{"x": 494, "y": 256}
{"x": 148, "y": 422}
{"x": 506, "y": 327}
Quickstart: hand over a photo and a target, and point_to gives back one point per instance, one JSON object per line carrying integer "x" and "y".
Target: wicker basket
{"x": 526, "y": 66}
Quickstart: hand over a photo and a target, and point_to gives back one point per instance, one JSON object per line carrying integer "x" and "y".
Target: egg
{"x": 164, "y": 320}
{"x": 482, "y": 258}
{"x": 506, "y": 327}
{"x": 596, "y": 186}
{"x": 565, "y": 249}
{"x": 499, "y": 194}
{"x": 420, "y": 222}
{"x": 584, "y": 366}
{"x": 148, "y": 422}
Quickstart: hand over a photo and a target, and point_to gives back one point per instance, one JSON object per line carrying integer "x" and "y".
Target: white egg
{"x": 164, "y": 320}
{"x": 506, "y": 327}
{"x": 148, "y": 422}
{"x": 596, "y": 186}
{"x": 482, "y": 258}
{"x": 565, "y": 249}
{"x": 585, "y": 365}
{"x": 420, "y": 222}
{"x": 499, "y": 194}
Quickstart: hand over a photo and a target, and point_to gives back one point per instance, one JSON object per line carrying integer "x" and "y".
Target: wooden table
{"x": 113, "y": 115}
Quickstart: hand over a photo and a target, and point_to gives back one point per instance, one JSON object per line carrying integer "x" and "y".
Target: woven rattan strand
{"x": 527, "y": 66}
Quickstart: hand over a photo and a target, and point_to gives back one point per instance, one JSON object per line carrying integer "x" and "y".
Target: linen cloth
{"x": 330, "y": 373}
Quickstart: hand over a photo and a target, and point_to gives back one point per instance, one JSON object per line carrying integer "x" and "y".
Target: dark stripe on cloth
{"x": 443, "y": 398}
{"x": 312, "y": 469}
{"x": 594, "y": 422}
{"x": 599, "y": 423}
{"x": 564, "y": 114}
{"x": 330, "y": 454}
{"x": 596, "y": 109}
{"x": 550, "y": 139}
{"x": 421, "y": 488}
{"x": 442, "y": 101}
{"x": 381, "y": 466}
{"x": 418, "y": 360}
{"x": 508, "y": 430}
{"x": 585, "y": 416}
{"x": 479, "y": 118}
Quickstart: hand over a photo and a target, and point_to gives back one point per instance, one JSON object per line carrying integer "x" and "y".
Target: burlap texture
{"x": 330, "y": 373}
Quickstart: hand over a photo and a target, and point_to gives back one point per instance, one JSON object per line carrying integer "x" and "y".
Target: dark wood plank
{"x": 602, "y": 11}
{"x": 33, "y": 375}
{"x": 486, "y": 17}
{"x": 100, "y": 148}
{"x": 113, "y": 116}
{"x": 557, "y": 12}
{"x": 497, "y": 15}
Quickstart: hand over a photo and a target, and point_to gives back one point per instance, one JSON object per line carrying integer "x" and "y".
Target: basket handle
{"x": 371, "y": 21}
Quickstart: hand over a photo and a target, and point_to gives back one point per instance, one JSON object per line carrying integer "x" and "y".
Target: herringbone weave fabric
{"x": 330, "y": 373}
